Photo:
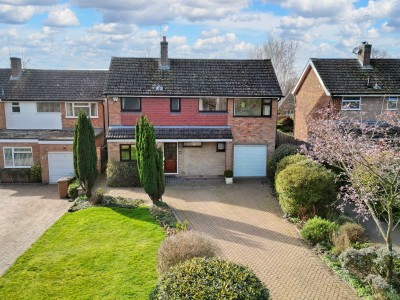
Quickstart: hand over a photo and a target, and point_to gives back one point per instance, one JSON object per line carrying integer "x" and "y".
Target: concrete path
{"x": 26, "y": 212}
{"x": 245, "y": 220}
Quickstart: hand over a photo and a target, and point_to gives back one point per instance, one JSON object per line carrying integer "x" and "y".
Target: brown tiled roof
{"x": 192, "y": 77}
{"x": 174, "y": 132}
{"x": 55, "y": 85}
{"x": 42, "y": 134}
{"x": 348, "y": 76}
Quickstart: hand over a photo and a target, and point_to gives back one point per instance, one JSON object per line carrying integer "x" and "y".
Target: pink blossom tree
{"x": 368, "y": 161}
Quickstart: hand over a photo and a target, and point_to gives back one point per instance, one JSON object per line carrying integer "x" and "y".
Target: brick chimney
{"x": 16, "y": 68}
{"x": 364, "y": 54}
{"x": 164, "y": 62}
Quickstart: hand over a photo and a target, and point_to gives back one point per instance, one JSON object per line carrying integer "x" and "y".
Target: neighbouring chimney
{"x": 16, "y": 68}
{"x": 364, "y": 54}
{"x": 164, "y": 63}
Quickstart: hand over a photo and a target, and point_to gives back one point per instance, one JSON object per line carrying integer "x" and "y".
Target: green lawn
{"x": 96, "y": 253}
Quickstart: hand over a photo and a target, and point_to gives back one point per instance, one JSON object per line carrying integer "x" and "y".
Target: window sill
{"x": 252, "y": 116}
{"x": 213, "y": 112}
{"x": 19, "y": 167}
{"x": 77, "y": 117}
{"x": 351, "y": 109}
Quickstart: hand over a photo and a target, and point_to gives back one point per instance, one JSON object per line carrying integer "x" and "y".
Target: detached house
{"x": 361, "y": 88}
{"x": 209, "y": 115}
{"x": 38, "y": 112}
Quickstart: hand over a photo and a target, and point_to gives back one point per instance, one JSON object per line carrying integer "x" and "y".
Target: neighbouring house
{"x": 209, "y": 114}
{"x": 286, "y": 106}
{"x": 38, "y": 113}
{"x": 361, "y": 88}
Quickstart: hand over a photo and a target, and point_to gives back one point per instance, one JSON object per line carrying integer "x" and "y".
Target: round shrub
{"x": 201, "y": 278}
{"x": 184, "y": 246}
{"x": 289, "y": 160}
{"x": 304, "y": 186}
{"x": 359, "y": 262}
{"x": 318, "y": 230}
{"x": 348, "y": 234}
{"x": 279, "y": 153}
{"x": 343, "y": 219}
{"x": 73, "y": 188}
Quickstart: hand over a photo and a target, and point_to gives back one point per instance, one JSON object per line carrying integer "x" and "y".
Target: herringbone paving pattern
{"x": 26, "y": 211}
{"x": 245, "y": 219}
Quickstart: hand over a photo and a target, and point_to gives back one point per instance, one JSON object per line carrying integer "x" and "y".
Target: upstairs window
{"x": 213, "y": 104}
{"x": 73, "y": 109}
{"x": 175, "y": 104}
{"x": 131, "y": 104}
{"x": 351, "y": 103}
{"x": 15, "y": 108}
{"x": 392, "y": 103}
{"x": 48, "y": 107}
{"x": 17, "y": 157}
{"x": 127, "y": 152}
{"x": 252, "y": 107}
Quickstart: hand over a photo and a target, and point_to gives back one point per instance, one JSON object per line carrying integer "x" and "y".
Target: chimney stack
{"x": 16, "y": 68}
{"x": 364, "y": 54}
{"x": 164, "y": 63}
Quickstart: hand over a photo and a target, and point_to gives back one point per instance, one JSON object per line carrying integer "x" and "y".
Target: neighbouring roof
{"x": 54, "y": 85}
{"x": 192, "y": 77}
{"x": 42, "y": 134}
{"x": 174, "y": 132}
{"x": 348, "y": 76}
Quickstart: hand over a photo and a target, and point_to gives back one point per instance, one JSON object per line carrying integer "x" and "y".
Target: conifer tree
{"x": 84, "y": 153}
{"x": 149, "y": 160}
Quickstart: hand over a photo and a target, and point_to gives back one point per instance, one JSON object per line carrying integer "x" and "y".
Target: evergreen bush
{"x": 279, "y": 153}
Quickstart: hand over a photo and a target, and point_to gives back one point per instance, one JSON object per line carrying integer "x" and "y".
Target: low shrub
{"x": 381, "y": 263}
{"x": 343, "y": 219}
{"x": 163, "y": 214}
{"x": 73, "y": 188}
{"x": 98, "y": 196}
{"x": 318, "y": 230}
{"x": 183, "y": 246}
{"x": 289, "y": 160}
{"x": 228, "y": 173}
{"x": 36, "y": 173}
{"x": 201, "y": 278}
{"x": 279, "y": 153}
{"x": 358, "y": 262}
{"x": 122, "y": 174}
{"x": 348, "y": 234}
{"x": 304, "y": 187}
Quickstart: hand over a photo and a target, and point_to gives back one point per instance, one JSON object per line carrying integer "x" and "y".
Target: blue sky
{"x": 84, "y": 34}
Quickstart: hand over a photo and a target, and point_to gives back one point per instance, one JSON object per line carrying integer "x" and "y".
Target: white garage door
{"x": 250, "y": 160}
{"x": 60, "y": 165}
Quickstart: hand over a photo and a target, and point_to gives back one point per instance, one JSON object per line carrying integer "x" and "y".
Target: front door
{"x": 170, "y": 154}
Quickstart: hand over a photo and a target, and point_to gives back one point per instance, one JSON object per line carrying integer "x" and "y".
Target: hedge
{"x": 122, "y": 174}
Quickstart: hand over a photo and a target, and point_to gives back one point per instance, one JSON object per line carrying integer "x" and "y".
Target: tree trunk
{"x": 389, "y": 243}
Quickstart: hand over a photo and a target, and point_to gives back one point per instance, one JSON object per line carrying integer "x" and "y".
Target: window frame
{"x": 351, "y": 99}
{"x": 41, "y": 112}
{"x": 394, "y": 100}
{"x": 81, "y": 104}
{"x": 221, "y": 150}
{"x": 15, "y": 105}
{"x": 130, "y": 152}
{"x": 213, "y": 111}
{"x": 192, "y": 144}
{"x": 179, "y": 105}
{"x": 13, "y": 158}
{"x": 263, "y": 104}
{"x": 131, "y": 110}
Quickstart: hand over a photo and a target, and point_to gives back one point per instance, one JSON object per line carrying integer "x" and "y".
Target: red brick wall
{"x": 2, "y": 116}
{"x": 70, "y": 122}
{"x": 158, "y": 112}
{"x": 310, "y": 98}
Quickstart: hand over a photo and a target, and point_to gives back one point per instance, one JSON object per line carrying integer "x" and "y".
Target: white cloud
{"x": 373, "y": 33}
{"x": 62, "y": 18}
{"x": 28, "y": 2}
{"x": 211, "y": 42}
{"x": 320, "y": 8}
{"x": 16, "y": 14}
{"x": 209, "y": 33}
{"x": 297, "y": 22}
{"x": 113, "y": 28}
{"x": 387, "y": 28}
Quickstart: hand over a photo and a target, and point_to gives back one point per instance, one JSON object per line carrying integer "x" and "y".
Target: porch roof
{"x": 175, "y": 132}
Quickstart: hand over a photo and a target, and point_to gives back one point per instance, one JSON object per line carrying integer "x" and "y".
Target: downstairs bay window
{"x": 17, "y": 157}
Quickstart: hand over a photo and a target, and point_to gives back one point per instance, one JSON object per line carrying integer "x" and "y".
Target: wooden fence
{"x": 286, "y": 138}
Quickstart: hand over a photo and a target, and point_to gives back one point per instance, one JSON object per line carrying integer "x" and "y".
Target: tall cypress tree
{"x": 84, "y": 153}
{"x": 149, "y": 160}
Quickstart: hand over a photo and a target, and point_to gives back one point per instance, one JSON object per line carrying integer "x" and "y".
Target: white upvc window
{"x": 47, "y": 107}
{"x": 351, "y": 103}
{"x": 72, "y": 109}
{"x": 17, "y": 157}
{"x": 392, "y": 103}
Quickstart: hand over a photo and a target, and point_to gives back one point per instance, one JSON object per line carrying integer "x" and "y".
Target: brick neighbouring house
{"x": 209, "y": 114}
{"x": 38, "y": 112}
{"x": 359, "y": 88}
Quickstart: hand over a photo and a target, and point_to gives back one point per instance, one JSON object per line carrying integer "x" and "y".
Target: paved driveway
{"x": 245, "y": 220}
{"x": 26, "y": 211}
